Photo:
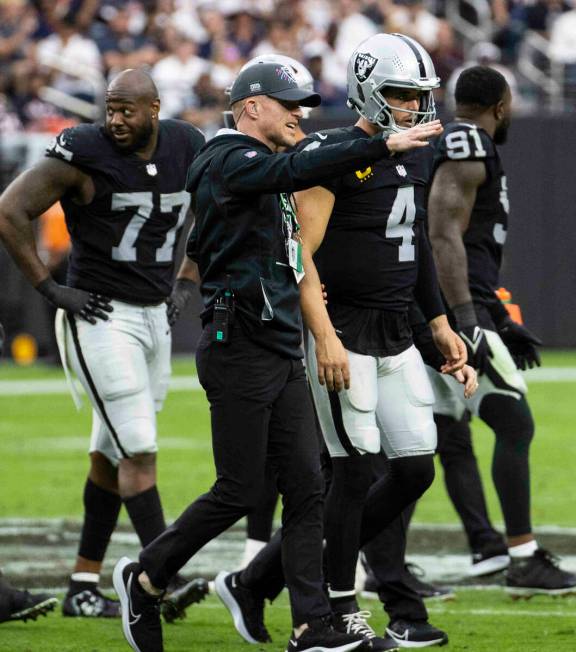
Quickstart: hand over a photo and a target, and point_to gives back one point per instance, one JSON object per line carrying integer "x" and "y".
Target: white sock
{"x": 523, "y": 550}
{"x": 251, "y": 548}
{"x": 85, "y": 577}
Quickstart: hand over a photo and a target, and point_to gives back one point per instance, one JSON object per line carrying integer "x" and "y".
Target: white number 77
{"x": 143, "y": 202}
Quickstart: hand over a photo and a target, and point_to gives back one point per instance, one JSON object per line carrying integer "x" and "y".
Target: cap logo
{"x": 285, "y": 74}
{"x": 255, "y": 87}
{"x": 364, "y": 65}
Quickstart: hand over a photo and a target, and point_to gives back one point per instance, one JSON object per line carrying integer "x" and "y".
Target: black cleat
{"x": 21, "y": 605}
{"x": 415, "y": 633}
{"x": 246, "y": 609}
{"x": 180, "y": 594}
{"x": 413, "y": 575}
{"x": 90, "y": 603}
{"x": 491, "y": 558}
{"x": 538, "y": 574}
{"x": 320, "y": 636}
{"x": 140, "y": 611}
{"x": 348, "y": 619}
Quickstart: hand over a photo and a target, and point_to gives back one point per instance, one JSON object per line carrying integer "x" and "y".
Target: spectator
{"x": 351, "y": 28}
{"x": 413, "y": 19}
{"x": 319, "y": 58}
{"x": 176, "y": 75}
{"x": 119, "y": 46}
{"x": 563, "y": 48}
{"x": 244, "y": 33}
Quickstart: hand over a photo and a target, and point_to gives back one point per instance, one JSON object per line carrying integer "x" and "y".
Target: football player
{"x": 468, "y": 208}
{"x": 122, "y": 188}
{"x": 21, "y": 605}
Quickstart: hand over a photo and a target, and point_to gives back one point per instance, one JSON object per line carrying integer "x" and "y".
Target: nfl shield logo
{"x": 151, "y": 169}
{"x": 364, "y": 65}
{"x": 401, "y": 170}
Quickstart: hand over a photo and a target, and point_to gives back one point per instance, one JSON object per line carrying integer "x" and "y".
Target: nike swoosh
{"x": 136, "y": 617}
{"x": 322, "y": 136}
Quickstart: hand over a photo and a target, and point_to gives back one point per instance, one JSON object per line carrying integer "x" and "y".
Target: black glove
{"x": 2, "y": 339}
{"x": 181, "y": 293}
{"x": 479, "y": 352}
{"x": 521, "y": 343}
{"x": 88, "y": 305}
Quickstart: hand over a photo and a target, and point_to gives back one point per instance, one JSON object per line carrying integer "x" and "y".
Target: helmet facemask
{"x": 384, "y": 117}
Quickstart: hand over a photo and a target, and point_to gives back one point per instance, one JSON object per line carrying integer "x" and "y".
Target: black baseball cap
{"x": 274, "y": 80}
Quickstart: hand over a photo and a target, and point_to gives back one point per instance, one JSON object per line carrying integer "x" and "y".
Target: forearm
{"x": 452, "y": 267}
{"x": 18, "y": 237}
{"x": 427, "y": 290}
{"x": 312, "y": 304}
{"x": 189, "y": 271}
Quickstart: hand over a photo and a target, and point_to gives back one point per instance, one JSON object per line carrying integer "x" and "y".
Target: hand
{"x": 176, "y": 302}
{"x": 332, "y": 361}
{"x": 468, "y": 377}
{"x": 414, "y": 137}
{"x": 324, "y": 294}
{"x": 449, "y": 344}
{"x": 479, "y": 351}
{"x": 521, "y": 343}
{"x": 88, "y": 305}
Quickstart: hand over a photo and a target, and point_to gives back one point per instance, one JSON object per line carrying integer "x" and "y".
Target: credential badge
{"x": 151, "y": 169}
{"x": 364, "y": 65}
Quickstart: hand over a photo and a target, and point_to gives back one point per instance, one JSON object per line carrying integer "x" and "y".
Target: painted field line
{"x": 191, "y": 384}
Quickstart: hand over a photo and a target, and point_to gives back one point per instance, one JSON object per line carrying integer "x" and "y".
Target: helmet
{"x": 299, "y": 71}
{"x": 385, "y": 60}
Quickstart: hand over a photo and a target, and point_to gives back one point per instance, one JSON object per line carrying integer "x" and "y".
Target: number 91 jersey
{"x": 369, "y": 255}
{"x": 486, "y": 233}
{"x": 123, "y": 240}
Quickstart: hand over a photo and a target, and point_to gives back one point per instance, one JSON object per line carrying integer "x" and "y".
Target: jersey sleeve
{"x": 78, "y": 146}
{"x": 464, "y": 142}
{"x": 315, "y": 141}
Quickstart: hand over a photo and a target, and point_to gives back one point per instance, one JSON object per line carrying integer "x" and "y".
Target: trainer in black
{"x": 413, "y": 575}
{"x": 180, "y": 594}
{"x": 538, "y": 574}
{"x": 320, "y": 636}
{"x": 90, "y": 603}
{"x": 491, "y": 558}
{"x": 21, "y": 605}
{"x": 140, "y": 611}
{"x": 246, "y": 609}
{"x": 348, "y": 619}
{"x": 415, "y": 633}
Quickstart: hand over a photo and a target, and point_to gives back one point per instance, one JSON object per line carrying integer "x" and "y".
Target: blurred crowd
{"x": 55, "y": 50}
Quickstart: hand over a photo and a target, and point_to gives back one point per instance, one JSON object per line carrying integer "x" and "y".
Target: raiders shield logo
{"x": 364, "y": 65}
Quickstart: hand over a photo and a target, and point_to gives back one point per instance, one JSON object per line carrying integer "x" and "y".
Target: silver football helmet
{"x": 385, "y": 60}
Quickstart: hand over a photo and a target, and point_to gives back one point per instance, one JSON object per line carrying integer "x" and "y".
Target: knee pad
{"x": 414, "y": 474}
{"x": 510, "y": 419}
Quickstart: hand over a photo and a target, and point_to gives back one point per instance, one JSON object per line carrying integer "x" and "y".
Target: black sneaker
{"x": 538, "y": 574}
{"x": 91, "y": 604}
{"x": 140, "y": 611}
{"x": 320, "y": 636}
{"x": 21, "y": 605}
{"x": 348, "y": 619}
{"x": 415, "y": 633}
{"x": 180, "y": 594}
{"x": 491, "y": 558}
{"x": 425, "y": 590}
{"x": 246, "y": 609}
{"x": 413, "y": 575}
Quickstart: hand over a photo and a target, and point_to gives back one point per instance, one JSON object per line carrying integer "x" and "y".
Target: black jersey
{"x": 368, "y": 259}
{"x": 486, "y": 233}
{"x": 123, "y": 240}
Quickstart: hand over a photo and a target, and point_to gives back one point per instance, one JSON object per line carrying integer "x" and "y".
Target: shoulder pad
{"x": 78, "y": 145}
{"x": 463, "y": 141}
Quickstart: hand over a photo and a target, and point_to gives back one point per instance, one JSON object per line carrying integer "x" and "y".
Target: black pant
{"x": 260, "y": 409}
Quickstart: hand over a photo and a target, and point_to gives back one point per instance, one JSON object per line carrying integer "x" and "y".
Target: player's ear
{"x": 155, "y": 108}
{"x": 499, "y": 110}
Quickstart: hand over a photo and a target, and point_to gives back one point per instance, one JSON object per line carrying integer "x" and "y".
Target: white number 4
{"x": 143, "y": 203}
{"x": 401, "y": 221}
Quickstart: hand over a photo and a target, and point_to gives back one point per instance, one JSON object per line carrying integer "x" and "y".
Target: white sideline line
{"x": 191, "y": 384}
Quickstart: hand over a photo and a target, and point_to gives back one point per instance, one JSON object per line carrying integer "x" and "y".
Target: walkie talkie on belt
{"x": 223, "y": 314}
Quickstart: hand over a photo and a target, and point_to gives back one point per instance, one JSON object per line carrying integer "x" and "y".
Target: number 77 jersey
{"x": 487, "y": 229}
{"x": 369, "y": 255}
{"x": 123, "y": 240}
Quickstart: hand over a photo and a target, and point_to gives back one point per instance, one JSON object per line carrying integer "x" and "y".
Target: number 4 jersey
{"x": 486, "y": 231}
{"x": 123, "y": 240}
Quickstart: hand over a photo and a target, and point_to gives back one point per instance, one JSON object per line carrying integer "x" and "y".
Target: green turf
{"x": 485, "y": 621}
{"x": 43, "y": 441}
